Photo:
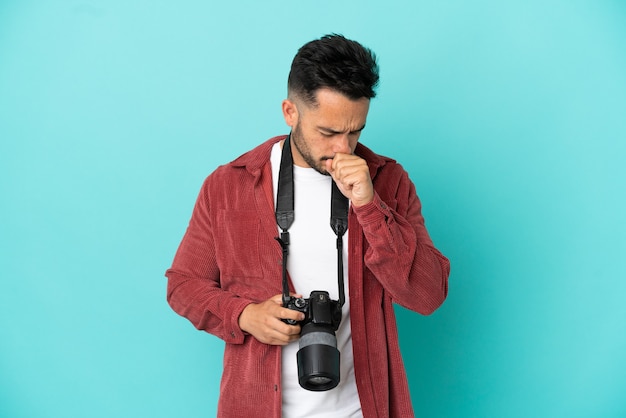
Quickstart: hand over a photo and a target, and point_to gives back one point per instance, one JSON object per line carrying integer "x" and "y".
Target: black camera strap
{"x": 285, "y": 215}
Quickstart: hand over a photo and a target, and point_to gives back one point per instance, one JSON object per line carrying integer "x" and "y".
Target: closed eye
{"x": 330, "y": 132}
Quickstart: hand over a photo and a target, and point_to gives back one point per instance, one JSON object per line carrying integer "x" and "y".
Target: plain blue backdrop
{"x": 509, "y": 116}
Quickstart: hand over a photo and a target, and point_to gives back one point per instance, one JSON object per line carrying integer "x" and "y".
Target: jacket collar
{"x": 255, "y": 159}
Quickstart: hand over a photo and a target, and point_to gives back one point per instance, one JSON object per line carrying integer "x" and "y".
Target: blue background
{"x": 509, "y": 117}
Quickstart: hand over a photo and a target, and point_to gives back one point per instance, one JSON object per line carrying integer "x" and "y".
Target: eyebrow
{"x": 334, "y": 132}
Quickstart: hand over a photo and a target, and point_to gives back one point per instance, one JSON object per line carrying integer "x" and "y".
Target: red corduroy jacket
{"x": 229, "y": 258}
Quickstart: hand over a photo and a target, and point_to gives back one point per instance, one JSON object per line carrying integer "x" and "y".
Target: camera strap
{"x": 285, "y": 215}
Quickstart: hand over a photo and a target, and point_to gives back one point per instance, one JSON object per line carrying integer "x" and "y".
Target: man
{"x": 226, "y": 277}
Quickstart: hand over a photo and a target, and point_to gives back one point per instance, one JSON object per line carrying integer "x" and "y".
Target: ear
{"x": 290, "y": 112}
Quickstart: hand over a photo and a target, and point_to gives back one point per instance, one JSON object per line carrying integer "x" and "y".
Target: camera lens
{"x": 318, "y": 358}
{"x": 319, "y": 381}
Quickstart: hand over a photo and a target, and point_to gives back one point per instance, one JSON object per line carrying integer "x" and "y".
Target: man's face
{"x": 319, "y": 132}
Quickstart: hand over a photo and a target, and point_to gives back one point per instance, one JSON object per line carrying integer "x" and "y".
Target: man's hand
{"x": 352, "y": 176}
{"x": 264, "y": 322}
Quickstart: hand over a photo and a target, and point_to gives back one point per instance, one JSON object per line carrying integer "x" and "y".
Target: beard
{"x": 303, "y": 149}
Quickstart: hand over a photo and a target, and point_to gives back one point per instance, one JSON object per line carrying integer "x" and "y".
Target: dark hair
{"x": 336, "y": 63}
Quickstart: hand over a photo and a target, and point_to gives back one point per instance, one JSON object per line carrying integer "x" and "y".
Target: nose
{"x": 341, "y": 144}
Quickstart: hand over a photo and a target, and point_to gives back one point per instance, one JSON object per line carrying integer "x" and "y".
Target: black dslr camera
{"x": 318, "y": 357}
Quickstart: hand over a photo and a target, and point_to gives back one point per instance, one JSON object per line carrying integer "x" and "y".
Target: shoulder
{"x": 241, "y": 174}
{"x": 257, "y": 157}
{"x": 381, "y": 167}
{"x": 251, "y": 162}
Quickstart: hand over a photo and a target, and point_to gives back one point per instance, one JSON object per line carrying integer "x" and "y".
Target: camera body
{"x": 318, "y": 356}
{"x": 318, "y": 309}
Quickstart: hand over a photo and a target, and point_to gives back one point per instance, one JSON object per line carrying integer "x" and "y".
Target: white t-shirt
{"x": 312, "y": 265}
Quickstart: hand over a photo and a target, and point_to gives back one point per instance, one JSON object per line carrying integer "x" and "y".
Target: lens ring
{"x": 323, "y": 338}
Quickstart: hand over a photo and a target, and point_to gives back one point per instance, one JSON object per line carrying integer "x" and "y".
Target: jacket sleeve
{"x": 193, "y": 288}
{"x": 400, "y": 253}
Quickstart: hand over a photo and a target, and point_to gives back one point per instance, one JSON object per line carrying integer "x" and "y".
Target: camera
{"x": 318, "y": 356}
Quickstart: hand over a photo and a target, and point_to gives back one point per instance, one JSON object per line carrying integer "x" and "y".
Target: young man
{"x": 226, "y": 277}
